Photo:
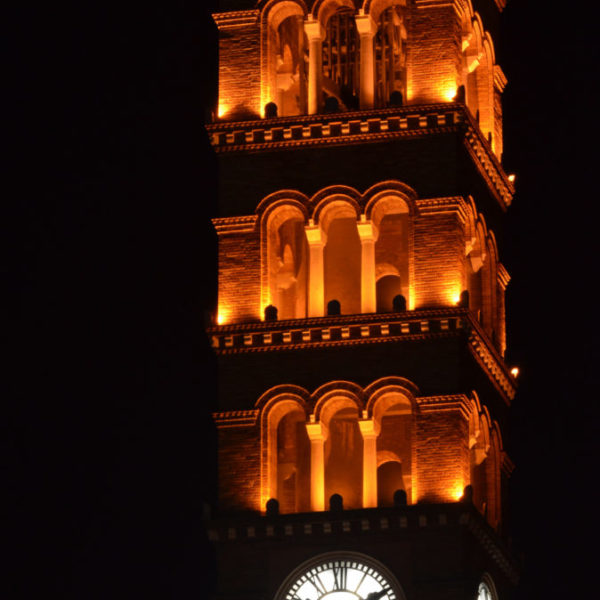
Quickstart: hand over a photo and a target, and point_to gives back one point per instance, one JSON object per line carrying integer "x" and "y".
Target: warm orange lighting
{"x": 457, "y": 492}
{"x": 450, "y": 93}
{"x": 514, "y": 372}
{"x": 512, "y": 177}
{"x": 456, "y": 299}
{"x": 222, "y": 318}
{"x": 223, "y": 109}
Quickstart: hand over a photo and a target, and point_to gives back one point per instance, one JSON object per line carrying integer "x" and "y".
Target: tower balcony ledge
{"x": 403, "y": 523}
{"x": 367, "y": 126}
{"x": 368, "y": 328}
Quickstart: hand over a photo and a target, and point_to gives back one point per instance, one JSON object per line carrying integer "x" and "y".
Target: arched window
{"x": 394, "y": 447}
{"x": 291, "y": 67}
{"x": 390, "y": 56}
{"x": 286, "y": 469}
{"x": 286, "y": 73}
{"x": 340, "y": 59}
{"x": 342, "y": 257}
{"x": 478, "y": 76}
{"x": 475, "y": 273}
{"x": 287, "y": 262}
{"x": 344, "y": 457}
{"x": 479, "y": 464}
{"x": 293, "y": 463}
{"x": 390, "y": 217}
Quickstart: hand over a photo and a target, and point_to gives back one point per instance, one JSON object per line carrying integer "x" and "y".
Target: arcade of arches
{"x": 365, "y": 446}
{"x": 330, "y": 55}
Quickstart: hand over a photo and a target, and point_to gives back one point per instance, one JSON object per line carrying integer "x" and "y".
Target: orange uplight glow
{"x": 512, "y": 177}
{"x": 222, "y": 318}
{"x": 514, "y": 372}
{"x": 450, "y": 93}
{"x": 456, "y": 492}
{"x": 223, "y": 109}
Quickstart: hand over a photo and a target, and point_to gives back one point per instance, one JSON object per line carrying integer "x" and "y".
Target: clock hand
{"x": 377, "y": 595}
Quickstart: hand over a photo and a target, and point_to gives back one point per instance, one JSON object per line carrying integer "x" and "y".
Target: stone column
{"x": 315, "y": 34}
{"x": 317, "y": 437}
{"x": 369, "y": 435}
{"x": 366, "y": 29}
{"x": 316, "y": 284}
{"x": 368, "y": 236}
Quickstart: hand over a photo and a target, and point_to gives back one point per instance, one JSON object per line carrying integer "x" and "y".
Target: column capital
{"x": 365, "y": 25}
{"x": 314, "y": 31}
{"x": 314, "y": 235}
{"x": 369, "y": 428}
{"x": 367, "y": 232}
{"x": 317, "y": 432}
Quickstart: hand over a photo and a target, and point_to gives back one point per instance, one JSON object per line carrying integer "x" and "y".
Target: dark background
{"x": 112, "y": 387}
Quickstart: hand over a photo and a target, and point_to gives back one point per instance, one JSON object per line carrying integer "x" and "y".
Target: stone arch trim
{"x": 386, "y": 456}
{"x": 391, "y": 187}
{"x": 266, "y": 7}
{"x": 374, "y": 8}
{"x": 385, "y": 270}
{"x": 331, "y": 193}
{"x": 350, "y": 392}
{"x": 376, "y": 392}
{"x": 323, "y": 9}
{"x": 282, "y": 392}
{"x": 280, "y": 198}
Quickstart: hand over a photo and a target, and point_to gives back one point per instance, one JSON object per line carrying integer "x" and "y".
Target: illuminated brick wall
{"x": 239, "y": 274}
{"x": 442, "y": 455}
{"x": 239, "y": 64}
{"x": 439, "y": 260}
{"x": 433, "y": 62}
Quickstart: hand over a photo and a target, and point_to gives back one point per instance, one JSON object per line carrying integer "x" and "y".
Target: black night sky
{"x": 108, "y": 417}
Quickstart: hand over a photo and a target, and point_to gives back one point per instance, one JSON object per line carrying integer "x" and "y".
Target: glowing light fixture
{"x": 222, "y": 318}
{"x": 456, "y": 492}
{"x": 222, "y": 110}
{"x": 450, "y": 93}
{"x": 514, "y": 372}
{"x": 512, "y": 177}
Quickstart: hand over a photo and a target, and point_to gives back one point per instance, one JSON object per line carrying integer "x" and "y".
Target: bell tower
{"x": 360, "y": 333}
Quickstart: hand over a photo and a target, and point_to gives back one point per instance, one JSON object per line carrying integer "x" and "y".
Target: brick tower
{"x": 360, "y": 335}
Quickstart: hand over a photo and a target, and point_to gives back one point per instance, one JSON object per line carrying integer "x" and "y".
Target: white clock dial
{"x": 484, "y": 593}
{"x": 339, "y": 578}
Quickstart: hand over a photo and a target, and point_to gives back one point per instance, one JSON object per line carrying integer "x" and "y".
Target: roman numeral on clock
{"x": 317, "y": 583}
{"x": 339, "y": 577}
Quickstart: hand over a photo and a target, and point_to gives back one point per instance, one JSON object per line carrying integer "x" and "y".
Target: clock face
{"x": 342, "y": 578}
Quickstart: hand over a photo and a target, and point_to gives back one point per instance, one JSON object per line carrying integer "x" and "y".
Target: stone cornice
{"x": 368, "y": 126}
{"x": 401, "y": 523}
{"x": 500, "y": 80}
{"x": 503, "y": 275}
{"x": 236, "y": 418}
{"x": 371, "y": 328}
{"x": 450, "y": 204}
{"x": 489, "y": 359}
{"x": 237, "y": 18}
{"x": 459, "y": 402}
{"x": 225, "y": 225}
